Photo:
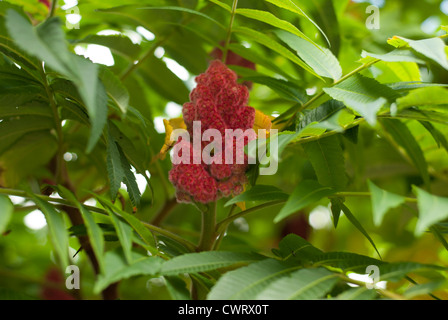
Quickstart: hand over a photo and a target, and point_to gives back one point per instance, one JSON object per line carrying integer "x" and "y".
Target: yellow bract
{"x": 262, "y": 121}
{"x": 170, "y": 126}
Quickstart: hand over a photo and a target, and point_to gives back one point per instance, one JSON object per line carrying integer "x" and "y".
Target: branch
{"x": 52, "y": 8}
{"x": 348, "y": 75}
{"x": 229, "y": 31}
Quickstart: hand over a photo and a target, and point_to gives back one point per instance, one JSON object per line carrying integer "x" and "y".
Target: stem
{"x": 221, "y": 226}
{"x": 229, "y": 31}
{"x": 357, "y": 70}
{"x": 148, "y": 54}
{"x": 364, "y": 194}
{"x": 52, "y": 8}
{"x": 208, "y": 234}
{"x": 348, "y": 75}
{"x": 222, "y": 233}
{"x": 187, "y": 244}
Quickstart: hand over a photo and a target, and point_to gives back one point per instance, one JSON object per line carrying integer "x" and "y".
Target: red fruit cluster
{"x": 220, "y": 103}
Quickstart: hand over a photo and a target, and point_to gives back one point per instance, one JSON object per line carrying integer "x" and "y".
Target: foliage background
{"x": 155, "y": 92}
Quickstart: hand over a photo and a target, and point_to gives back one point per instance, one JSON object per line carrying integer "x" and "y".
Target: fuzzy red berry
{"x": 218, "y": 102}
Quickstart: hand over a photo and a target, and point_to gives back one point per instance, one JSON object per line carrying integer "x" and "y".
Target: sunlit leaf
{"x": 306, "y": 193}
{"x": 382, "y": 202}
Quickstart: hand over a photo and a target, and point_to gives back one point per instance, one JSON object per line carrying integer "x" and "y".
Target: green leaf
{"x": 363, "y": 95}
{"x": 382, "y": 202}
{"x": 322, "y": 60}
{"x": 48, "y": 44}
{"x": 130, "y": 181}
{"x": 346, "y": 261}
{"x": 319, "y": 114}
{"x": 273, "y": 45}
{"x": 13, "y": 295}
{"x": 399, "y": 55}
{"x": 94, "y": 231}
{"x": 259, "y": 193}
{"x": 124, "y": 233}
{"x": 118, "y": 268}
{"x": 433, "y": 49}
{"x": 432, "y": 209}
{"x": 247, "y": 282}
{"x": 306, "y": 193}
{"x": 140, "y": 228}
{"x": 283, "y": 139}
{"x": 47, "y": 41}
{"x": 57, "y": 228}
{"x": 361, "y": 293}
{"x": 115, "y": 89}
{"x": 293, "y": 246}
{"x": 397, "y": 271}
{"x": 425, "y": 288}
{"x": 327, "y": 159}
{"x": 269, "y": 18}
{"x": 404, "y": 137}
{"x": 132, "y": 221}
{"x": 186, "y": 10}
{"x": 288, "y": 5}
{"x": 94, "y": 96}
{"x": 187, "y": 49}
{"x": 305, "y": 284}
{"x": 177, "y": 288}
{"x": 258, "y": 59}
{"x": 30, "y": 108}
{"x": 410, "y": 85}
{"x": 424, "y": 97}
{"x": 119, "y": 170}
{"x": 425, "y": 115}
{"x": 336, "y": 209}
{"x": 291, "y": 6}
{"x": 283, "y": 88}
{"x": 222, "y": 5}
{"x": 136, "y": 157}
{"x": 6, "y": 211}
{"x": 206, "y": 261}
{"x": 438, "y": 136}
{"x": 358, "y": 225}
{"x": 114, "y": 167}
{"x": 155, "y": 72}
{"x": 40, "y": 146}
{"x": 118, "y": 44}
{"x": 12, "y": 129}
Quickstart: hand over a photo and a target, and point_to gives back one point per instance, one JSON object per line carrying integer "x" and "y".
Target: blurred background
{"x": 26, "y": 258}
